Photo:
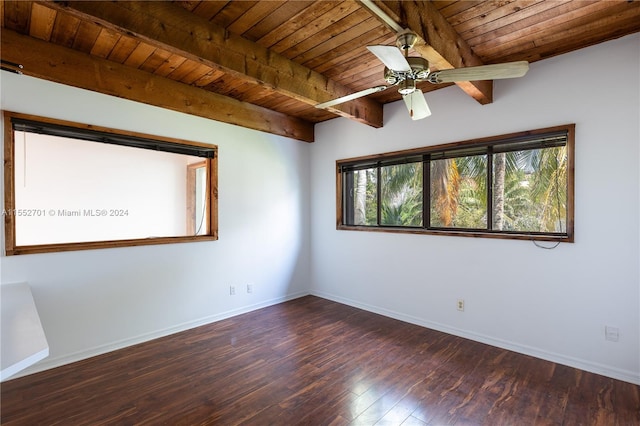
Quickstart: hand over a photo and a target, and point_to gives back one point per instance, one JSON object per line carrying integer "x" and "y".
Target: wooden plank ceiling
{"x": 265, "y": 64}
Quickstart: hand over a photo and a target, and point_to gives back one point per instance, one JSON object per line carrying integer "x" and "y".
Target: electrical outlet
{"x": 232, "y": 290}
{"x": 460, "y": 304}
{"x": 249, "y": 288}
{"x": 611, "y": 333}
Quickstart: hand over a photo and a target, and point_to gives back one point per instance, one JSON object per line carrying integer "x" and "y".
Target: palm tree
{"x": 532, "y": 189}
{"x": 529, "y": 192}
{"x": 549, "y": 186}
{"x": 401, "y": 192}
{"x": 360, "y": 198}
{"x": 520, "y": 211}
{"x": 445, "y": 187}
{"x": 499, "y": 171}
{"x": 458, "y": 192}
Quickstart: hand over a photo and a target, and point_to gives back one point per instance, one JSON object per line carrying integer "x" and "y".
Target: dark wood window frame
{"x": 167, "y": 144}
{"x": 425, "y": 154}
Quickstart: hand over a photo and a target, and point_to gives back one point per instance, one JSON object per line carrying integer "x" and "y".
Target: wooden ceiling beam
{"x": 438, "y": 42}
{"x": 171, "y": 27}
{"x": 67, "y": 66}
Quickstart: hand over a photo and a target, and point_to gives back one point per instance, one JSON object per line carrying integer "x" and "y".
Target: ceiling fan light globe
{"x": 407, "y": 86}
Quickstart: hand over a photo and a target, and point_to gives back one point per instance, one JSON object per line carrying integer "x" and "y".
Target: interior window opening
{"x": 75, "y": 187}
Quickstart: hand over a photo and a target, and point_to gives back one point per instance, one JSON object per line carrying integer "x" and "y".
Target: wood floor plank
{"x": 311, "y": 361}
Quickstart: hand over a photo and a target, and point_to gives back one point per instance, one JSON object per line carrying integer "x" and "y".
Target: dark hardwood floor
{"x": 315, "y": 362}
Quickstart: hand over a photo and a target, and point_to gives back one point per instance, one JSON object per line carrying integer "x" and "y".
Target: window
{"x": 512, "y": 186}
{"x": 70, "y": 186}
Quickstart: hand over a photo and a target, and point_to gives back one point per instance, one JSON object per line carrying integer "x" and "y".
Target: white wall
{"x": 553, "y": 304}
{"x": 94, "y": 301}
{"x": 277, "y": 227}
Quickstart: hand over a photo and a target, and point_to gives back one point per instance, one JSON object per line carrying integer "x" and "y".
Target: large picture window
{"x": 70, "y": 186}
{"x": 511, "y": 186}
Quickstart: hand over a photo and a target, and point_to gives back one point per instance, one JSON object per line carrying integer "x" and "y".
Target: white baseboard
{"x": 604, "y": 370}
{"x": 627, "y": 376}
{"x": 61, "y": 360}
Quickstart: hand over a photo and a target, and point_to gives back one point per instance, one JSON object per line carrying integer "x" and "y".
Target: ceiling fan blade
{"x": 351, "y": 97}
{"x": 417, "y": 105}
{"x": 391, "y": 57}
{"x": 482, "y": 72}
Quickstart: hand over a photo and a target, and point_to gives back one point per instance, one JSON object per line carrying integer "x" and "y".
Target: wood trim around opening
{"x": 191, "y": 196}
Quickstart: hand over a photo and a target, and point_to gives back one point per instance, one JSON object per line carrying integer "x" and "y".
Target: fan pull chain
{"x": 411, "y": 109}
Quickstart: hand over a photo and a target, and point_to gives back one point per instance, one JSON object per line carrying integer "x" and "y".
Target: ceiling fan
{"x": 404, "y": 71}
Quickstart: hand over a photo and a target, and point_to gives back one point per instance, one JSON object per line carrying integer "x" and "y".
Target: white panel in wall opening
{"x": 70, "y": 190}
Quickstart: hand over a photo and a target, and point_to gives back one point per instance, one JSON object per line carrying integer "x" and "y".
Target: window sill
{"x": 92, "y": 245}
{"x": 461, "y": 233}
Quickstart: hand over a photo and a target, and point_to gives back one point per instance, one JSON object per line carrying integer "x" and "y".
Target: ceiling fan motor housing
{"x": 419, "y": 71}
{"x": 419, "y": 66}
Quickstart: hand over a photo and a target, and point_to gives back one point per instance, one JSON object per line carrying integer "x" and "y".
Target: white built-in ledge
{"x": 23, "y": 339}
